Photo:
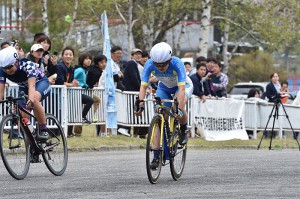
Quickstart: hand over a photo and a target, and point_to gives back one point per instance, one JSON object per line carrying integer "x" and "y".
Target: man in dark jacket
{"x": 132, "y": 79}
{"x": 201, "y": 88}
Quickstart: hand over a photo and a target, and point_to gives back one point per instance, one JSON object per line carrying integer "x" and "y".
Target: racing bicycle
{"x": 163, "y": 136}
{"x": 19, "y": 143}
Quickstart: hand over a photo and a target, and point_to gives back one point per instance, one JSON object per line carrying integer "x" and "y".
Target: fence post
{"x": 64, "y": 113}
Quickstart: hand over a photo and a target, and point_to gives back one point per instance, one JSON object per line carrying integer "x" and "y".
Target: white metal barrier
{"x": 66, "y": 104}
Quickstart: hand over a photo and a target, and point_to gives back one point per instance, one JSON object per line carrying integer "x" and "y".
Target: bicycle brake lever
{"x": 176, "y": 105}
{"x": 24, "y": 96}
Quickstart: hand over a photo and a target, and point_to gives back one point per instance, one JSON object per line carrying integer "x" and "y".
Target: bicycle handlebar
{"x": 158, "y": 100}
{"x": 12, "y": 99}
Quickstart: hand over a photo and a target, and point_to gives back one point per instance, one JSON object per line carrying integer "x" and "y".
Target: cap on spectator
{"x": 36, "y": 47}
{"x": 8, "y": 57}
{"x": 135, "y": 50}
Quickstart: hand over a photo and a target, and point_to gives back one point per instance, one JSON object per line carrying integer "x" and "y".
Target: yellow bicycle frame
{"x": 171, "y": 127}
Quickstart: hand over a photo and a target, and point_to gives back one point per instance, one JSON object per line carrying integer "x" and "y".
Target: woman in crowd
{"x": 36, "y": 56}
{"x": 65, "y": 74}
{"x": 273, "y": 88}
{"x": 84, "y": 62}
{"x": 50, "y": 60}
{"x": 96, "y": 77}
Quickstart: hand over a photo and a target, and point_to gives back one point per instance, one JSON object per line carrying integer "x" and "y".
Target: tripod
{"x": 275, "y": 116}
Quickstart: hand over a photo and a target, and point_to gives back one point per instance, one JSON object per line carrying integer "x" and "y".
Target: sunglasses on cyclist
{"x": 8, "y": 67}
{"x": 162, "y": 65}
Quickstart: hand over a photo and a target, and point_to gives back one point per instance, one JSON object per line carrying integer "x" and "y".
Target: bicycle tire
{"x": 14, "y": 147}
{"x": 56, "y": 150}
{"x": 153, "y": 174}
{"x": 178, "y": 155}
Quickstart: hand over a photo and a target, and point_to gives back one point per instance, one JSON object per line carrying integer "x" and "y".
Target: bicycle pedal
{"x": 35, "y": 159}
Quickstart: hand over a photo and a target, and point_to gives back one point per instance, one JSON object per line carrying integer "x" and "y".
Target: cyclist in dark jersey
{"x": 31, "y": 81}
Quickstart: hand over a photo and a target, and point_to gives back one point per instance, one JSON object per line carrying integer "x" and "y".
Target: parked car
{"x": 241, "y": 90}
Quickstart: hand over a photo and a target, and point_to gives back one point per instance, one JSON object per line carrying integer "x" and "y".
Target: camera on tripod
{"x": 277, "y": 97}
{"x": 275, "y": 114}
{"x": 14, "y": 43}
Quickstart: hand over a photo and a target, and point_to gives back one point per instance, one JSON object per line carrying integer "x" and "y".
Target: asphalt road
{"x": 208, "y": 174}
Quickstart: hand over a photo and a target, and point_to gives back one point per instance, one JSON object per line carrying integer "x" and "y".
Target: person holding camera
{"x": 49, "y": 60}
{"x": 273, "y": 93}
{"x": 15, "y": 44}
{"x": 273, "y": 88}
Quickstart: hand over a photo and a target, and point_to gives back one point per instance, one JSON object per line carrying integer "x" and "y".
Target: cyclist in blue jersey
{"x": 31, "y": 81}
{"x": 170, "y": 72}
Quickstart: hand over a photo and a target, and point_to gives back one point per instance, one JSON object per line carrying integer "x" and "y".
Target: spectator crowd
{"x": 207, "y": 76}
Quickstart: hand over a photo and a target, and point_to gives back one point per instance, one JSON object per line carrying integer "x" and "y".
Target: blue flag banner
{"x": 111, "y": 111}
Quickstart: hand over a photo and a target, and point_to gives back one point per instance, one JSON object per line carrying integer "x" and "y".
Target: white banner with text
{"x": 219, "y": 120}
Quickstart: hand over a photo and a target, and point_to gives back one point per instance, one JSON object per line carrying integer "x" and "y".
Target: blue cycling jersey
{"x": 174, "y": 76}
{"x": 25, "y": 70}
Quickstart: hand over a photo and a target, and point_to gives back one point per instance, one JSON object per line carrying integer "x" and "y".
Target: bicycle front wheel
{"x": 56, "y": 150}
{"x": 153, "y": 145}
{"x": 178, "y": 155}
{"x": 14, "y": 147}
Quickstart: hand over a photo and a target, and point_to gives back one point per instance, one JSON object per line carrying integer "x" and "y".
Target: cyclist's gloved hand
{"x": 139, "y": 109}
{"x": 156, "y": 107}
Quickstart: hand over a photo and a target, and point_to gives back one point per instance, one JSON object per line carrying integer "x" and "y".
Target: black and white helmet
{"x": 8, "y": 56}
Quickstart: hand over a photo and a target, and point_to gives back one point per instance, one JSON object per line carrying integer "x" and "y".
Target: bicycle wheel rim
{"x": 56, "y": 151}
{"x": 178, "y": 153}
{"x": 152, "y": 174}
{"x": 14, "y": 148}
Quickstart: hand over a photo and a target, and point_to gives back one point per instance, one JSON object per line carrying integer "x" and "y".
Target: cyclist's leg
{"x": 183, "y": 119}
{"x": 163, "y": 94}
{"x": 22, "y": 103}
{"x": 43, "y": 89}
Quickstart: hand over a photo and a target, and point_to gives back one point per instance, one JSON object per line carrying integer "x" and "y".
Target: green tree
{"x": 278, "y": 23}
{"x": 255, "y": 67}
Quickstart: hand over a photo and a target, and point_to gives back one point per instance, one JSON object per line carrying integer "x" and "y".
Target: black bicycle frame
{"x": 14, "y": 105}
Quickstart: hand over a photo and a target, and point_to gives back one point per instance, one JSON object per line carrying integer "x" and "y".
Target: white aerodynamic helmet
{"x": 161, "y": 52}
{"x": 8, "y": 56}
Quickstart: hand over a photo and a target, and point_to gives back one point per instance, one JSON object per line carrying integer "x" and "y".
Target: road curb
{"x": 137, "y": 147}
{"x": 105, "y": 148}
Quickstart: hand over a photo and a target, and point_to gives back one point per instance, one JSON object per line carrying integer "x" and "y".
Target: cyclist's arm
{"x": 2, "y": 87}
{"x": 181, "y": 104}
{"x": 181, "y": 97}
{"x": 142, "y": 95}
{"x": 142, "y": 92}
{"x": 31, "y": 88}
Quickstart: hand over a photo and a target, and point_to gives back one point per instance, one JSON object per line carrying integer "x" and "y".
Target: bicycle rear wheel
{"x": 14, "y": 147}
{"x": 56, "y": 151}
{"x": 153, "y": 145}
{"x": 178, "y": 155}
